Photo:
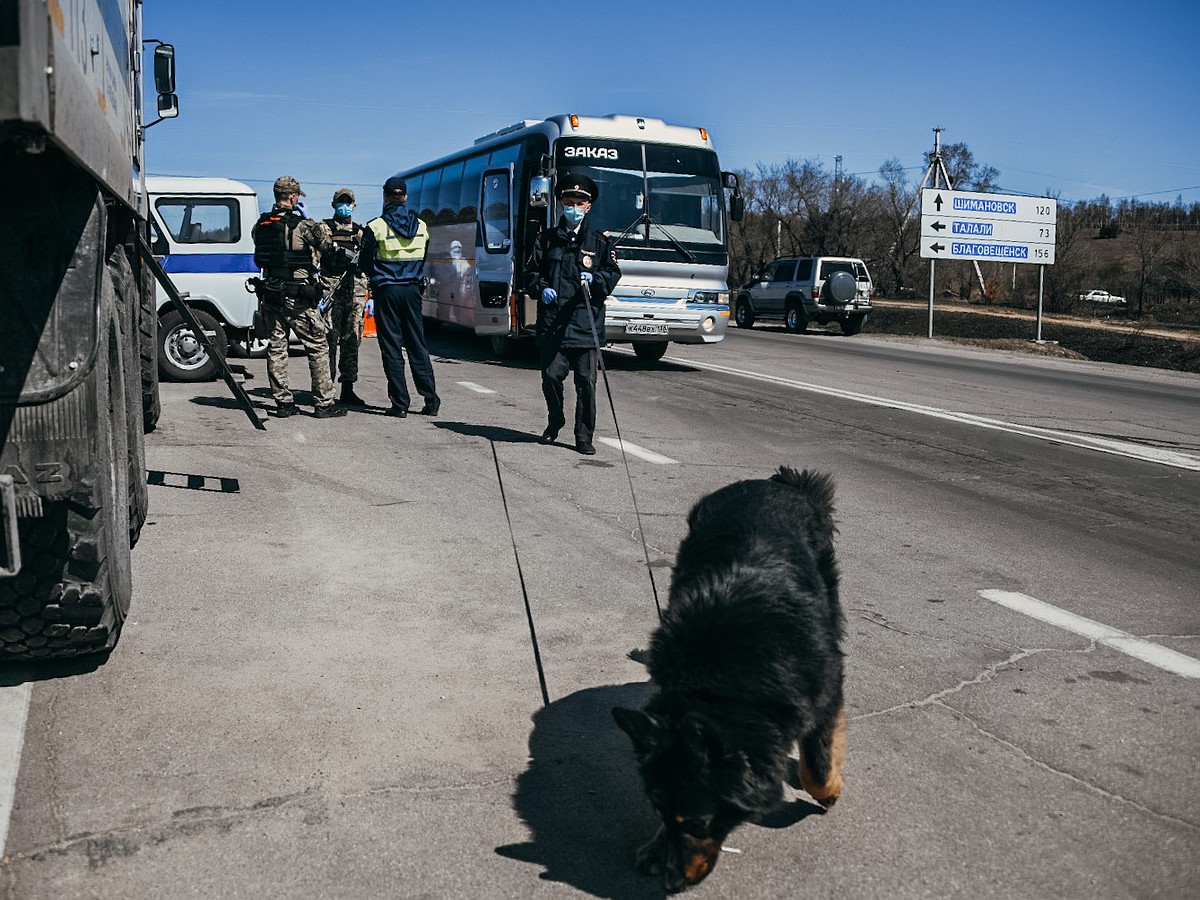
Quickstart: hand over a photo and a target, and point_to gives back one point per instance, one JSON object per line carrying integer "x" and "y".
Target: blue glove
{"x": 369, "y": 307}
{"x": 302, "y": 209}
{"x": 549, "y": 295}
{"x": 586, "y": 277}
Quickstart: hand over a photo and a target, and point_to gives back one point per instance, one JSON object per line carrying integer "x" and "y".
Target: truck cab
{"x": 201, "y": 231}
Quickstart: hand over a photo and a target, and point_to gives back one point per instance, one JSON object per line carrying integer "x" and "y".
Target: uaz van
{"x": 805, "y": 289}
{"x": 201, "y": 235}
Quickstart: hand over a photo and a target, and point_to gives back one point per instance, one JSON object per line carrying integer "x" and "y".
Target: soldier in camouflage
{"x": 345, "y": 288}
{"x": 287, "y": 248}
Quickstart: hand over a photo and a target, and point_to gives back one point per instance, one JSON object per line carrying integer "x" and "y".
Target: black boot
{"x": 349, "y": 398}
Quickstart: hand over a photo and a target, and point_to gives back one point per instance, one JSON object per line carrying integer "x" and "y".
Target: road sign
{"x": 996, "y": 227}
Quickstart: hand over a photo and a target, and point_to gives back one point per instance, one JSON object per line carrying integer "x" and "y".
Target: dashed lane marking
{"x": 477, "y": 388}
{"x": 1138, "y": 648}
{"x": 639, "y": 452}
{"x": 14, "y": 709}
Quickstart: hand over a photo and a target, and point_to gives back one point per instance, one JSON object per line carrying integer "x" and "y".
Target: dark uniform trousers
{"x": 582, "y": 362}
{"x": 399, "y": 328}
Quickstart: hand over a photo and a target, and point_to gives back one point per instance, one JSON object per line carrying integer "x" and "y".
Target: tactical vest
{"x": 333, "y": 263}
{"x": 274, "y": 244}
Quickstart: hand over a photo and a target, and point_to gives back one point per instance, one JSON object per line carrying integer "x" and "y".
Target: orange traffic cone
{"x": 368, "y": 323}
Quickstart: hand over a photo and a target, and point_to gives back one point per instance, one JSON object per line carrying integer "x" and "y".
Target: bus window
{"x": 469, "y": 197}
{"x": 448, "y": 194}
{"x": 505, "y": 156}
{"x": 497, "y": 220}
{"x": 414, "y": 191}
{"x": 429, "y": 195}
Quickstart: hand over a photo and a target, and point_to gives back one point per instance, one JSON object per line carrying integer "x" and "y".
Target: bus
{"x": 662, "y": 199}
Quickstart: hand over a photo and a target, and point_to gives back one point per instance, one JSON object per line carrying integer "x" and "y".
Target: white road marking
{"x": 1146, "y": 651}
{"x": 639, "y": 452}
{"x": 477, "y": 388}
{"x": 1102, "y": 445}
{"x": 14, "y": 709}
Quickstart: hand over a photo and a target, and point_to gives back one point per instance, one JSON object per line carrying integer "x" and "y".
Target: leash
{"x": 587, "y": 299}
{"x": 537, "y": 654}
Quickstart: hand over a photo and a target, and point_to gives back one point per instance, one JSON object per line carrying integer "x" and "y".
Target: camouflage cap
{"x": 344, "y": 192}
{"x": 286, "y": 184}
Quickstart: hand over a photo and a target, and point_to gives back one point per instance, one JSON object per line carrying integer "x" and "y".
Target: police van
{"x": 201, "y": 231}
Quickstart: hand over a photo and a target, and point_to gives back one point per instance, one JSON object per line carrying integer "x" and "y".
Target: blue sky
{"x": 1062, "y": 96}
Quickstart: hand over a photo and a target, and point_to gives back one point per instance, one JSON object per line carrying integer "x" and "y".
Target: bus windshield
{"x": 677, "y": 188}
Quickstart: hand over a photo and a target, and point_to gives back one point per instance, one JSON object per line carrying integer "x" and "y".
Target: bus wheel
{"x": 181, "y": 357}
{"x": 650, "y": 351}
{"x": 503, "y": 346}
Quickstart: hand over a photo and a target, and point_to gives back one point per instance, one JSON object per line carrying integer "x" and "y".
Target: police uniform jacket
{"x": 394, "y": 247}
{"x": 558, "y": 258}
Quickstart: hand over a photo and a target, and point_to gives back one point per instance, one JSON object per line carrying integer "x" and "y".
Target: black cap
{"x": 577, "y": 183}
{"x": 395, "y": 185}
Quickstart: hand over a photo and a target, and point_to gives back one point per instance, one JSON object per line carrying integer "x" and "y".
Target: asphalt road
{"x": 326, "y": 688}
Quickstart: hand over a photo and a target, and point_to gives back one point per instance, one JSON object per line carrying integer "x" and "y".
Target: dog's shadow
{"x": 581, "y": 796}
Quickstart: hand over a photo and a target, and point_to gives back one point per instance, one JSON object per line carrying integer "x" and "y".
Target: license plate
{"x": 646, "y": 328}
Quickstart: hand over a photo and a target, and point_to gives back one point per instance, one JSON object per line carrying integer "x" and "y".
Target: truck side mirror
{"x": 164, "y": 71}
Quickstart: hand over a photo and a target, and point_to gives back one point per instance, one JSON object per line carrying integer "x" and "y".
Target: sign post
{"x": 964, "y": 225}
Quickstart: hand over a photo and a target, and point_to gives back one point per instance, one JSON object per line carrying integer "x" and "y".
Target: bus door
{"x": 494, "y": 255}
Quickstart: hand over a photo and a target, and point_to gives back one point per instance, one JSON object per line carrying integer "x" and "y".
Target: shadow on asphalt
{"x": 581, "y": 796}
{"x": 14, "y": 673}
{"x": 497, "y": 433}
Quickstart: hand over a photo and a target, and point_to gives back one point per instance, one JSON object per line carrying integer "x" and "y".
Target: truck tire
{"x": 743, "y": 313}
{"x": 181, "y": 357}
{"x": 650, "y": 351}
{"x": 148, "y": 354}
{"x": 132, "y": 307}
{"x": 72, "y": 593}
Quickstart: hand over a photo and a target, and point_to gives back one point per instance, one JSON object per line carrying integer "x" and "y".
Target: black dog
{"x": 748, "y": 665}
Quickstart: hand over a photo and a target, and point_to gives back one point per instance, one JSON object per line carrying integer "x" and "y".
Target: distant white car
{"x": 1100, "y": 297}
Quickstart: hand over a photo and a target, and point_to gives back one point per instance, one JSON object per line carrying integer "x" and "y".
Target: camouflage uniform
{"x": 283, "y": 314}
{"x": 344, "y": 310}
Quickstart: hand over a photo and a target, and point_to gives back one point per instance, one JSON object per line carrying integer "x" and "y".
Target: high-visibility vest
{"x": 392, "y": 247}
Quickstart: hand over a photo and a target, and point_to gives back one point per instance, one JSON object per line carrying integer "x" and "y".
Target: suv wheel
{"x": 840, "y": 287}
{"x": 743, "y": 314}
{"x": 795, "y": 319}
{"x": 853, "y": 324}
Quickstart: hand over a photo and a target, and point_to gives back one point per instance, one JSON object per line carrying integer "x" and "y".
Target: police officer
{"x": 572, "y": 269}
{"x": 345, "y": 289}
{"x": 287, "y": 247}
{"x": 393, "y": 257}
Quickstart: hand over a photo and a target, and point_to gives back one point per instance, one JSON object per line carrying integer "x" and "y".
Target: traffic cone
{"x": 368, "y": 324}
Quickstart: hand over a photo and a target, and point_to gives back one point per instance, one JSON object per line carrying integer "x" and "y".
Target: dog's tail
{"x": 817, "y": 488}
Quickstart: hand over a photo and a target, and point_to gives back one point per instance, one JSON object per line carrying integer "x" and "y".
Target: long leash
{"x": 537, "y": 654}
{"x": 587, "y": 299}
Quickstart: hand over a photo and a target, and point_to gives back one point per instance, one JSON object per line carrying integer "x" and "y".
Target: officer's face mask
{"x": 343, "y": 210}
{"x": 575, "y": 214}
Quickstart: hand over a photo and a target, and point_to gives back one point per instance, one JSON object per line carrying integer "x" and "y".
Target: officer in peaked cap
{"x": 345, "y": 288}
{"x": 572, "y": 268}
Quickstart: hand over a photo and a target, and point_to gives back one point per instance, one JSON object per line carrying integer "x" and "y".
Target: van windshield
{"x": 679, "y": 188}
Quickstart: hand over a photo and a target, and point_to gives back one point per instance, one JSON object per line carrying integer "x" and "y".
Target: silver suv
{"x": 805, "y": 289}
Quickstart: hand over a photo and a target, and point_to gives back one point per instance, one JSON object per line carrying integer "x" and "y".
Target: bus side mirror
{"x": 737, "y": 207}
{"x": 730, "y": 180}
{"x": 168, "y": 106}
{"x": 164, "y": 70}
{"x": 539, "y": 191}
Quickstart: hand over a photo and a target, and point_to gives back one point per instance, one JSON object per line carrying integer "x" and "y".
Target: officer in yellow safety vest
{"x": 393, "y": 258}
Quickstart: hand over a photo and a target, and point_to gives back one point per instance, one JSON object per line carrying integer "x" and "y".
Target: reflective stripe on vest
{"x": 391, "y": 246}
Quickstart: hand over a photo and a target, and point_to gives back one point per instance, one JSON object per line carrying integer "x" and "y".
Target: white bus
{"x": 662, "y": 198}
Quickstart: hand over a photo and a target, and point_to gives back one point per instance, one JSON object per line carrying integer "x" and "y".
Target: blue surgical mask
{"x": 574, "y": 214}
{"x": 344, "y": 210}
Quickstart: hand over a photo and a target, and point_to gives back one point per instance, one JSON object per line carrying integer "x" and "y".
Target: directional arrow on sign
{"x": 937, "y": 201}
{"x": 937, "y": 248}
{"x": 938, "y": 226}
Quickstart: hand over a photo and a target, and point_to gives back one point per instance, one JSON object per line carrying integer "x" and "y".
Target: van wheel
{"x": 503, "y": 346}
{"x": 853, "y": 325}
{"x": 250, "y": 348}
{"x": 795, "y": 319}
{"x": 650, "y": 351}
{"x": 743, "y": 315}
{"x": 181, "y": 356}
